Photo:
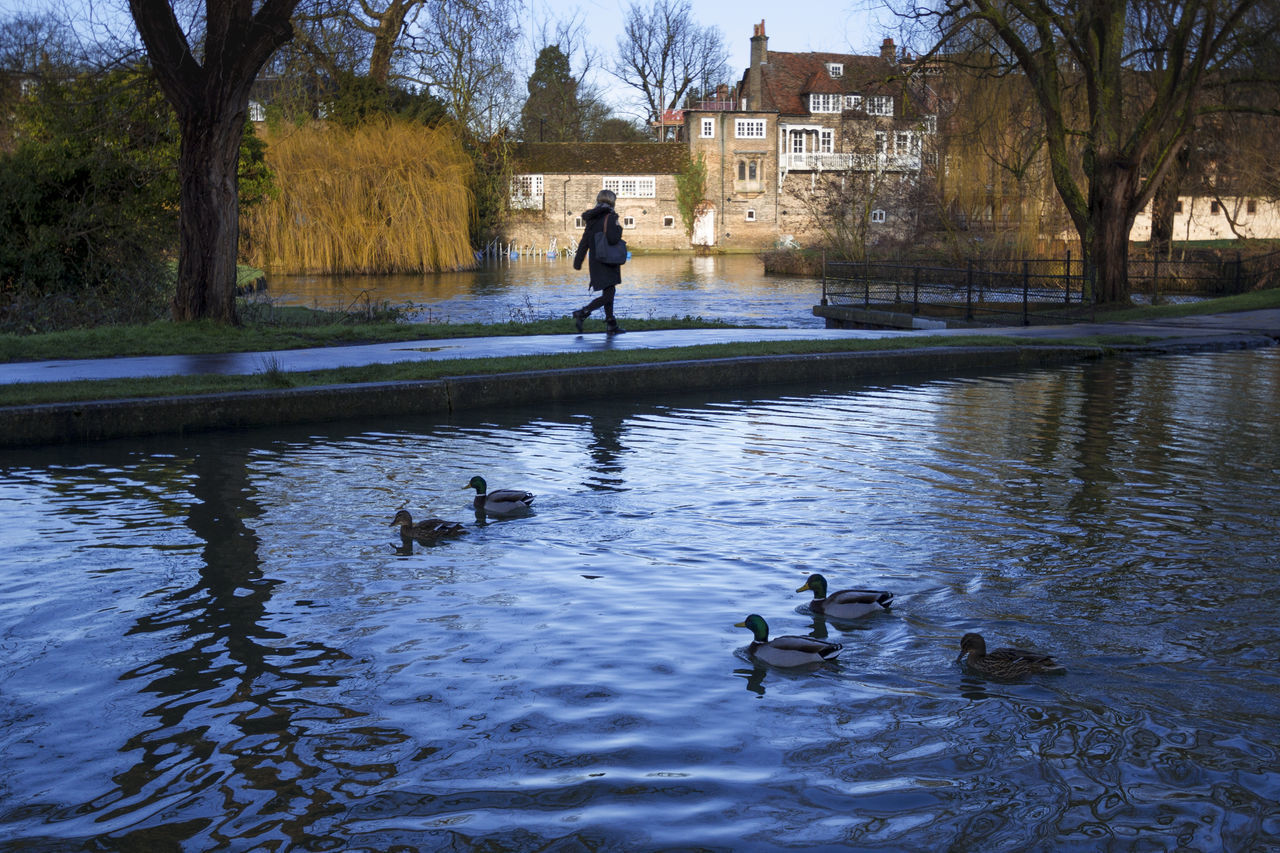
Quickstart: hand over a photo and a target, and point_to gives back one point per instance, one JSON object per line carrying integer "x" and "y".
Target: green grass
{"x": 272, "y": 378}
{"x": 291, "y": 328}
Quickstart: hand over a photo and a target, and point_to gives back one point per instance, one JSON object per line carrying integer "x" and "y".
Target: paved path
{"x": 1242, "y": 324}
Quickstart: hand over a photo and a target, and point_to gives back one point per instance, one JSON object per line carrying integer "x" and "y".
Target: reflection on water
{"x": 213, "y": 643}
{"x": 731, "y": 288}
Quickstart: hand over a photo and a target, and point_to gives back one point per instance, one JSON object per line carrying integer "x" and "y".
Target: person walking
{"x": 604, "y": 277}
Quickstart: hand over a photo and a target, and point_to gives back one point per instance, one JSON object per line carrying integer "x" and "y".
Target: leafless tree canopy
{"x": 664, "y": 54}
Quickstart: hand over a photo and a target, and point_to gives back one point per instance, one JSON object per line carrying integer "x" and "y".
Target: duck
{"x": 845, "y": 603}
{"x": 1004, "y": 663}
{"x": 786, "y": 650}
{"x": 427, "y": 530}
{"x": 501, "y": 502}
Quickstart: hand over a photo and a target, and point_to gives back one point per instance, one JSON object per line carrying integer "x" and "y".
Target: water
{"x": 211, "y": 643}
{"x": 731, "y": 288}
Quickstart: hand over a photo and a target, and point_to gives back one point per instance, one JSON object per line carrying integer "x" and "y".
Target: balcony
{"x": 850, "y": 162}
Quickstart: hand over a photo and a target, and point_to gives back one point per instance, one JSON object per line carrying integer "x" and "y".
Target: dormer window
{"x": 835, "y": 69}
{"x": 879, "y": 105}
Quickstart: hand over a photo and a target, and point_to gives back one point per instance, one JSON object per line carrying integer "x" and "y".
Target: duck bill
{"x": 803, "y": 588}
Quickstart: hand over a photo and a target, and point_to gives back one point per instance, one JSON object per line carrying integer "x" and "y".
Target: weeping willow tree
{"x": 996, "y": 178}
{"x": 385, "y": 197}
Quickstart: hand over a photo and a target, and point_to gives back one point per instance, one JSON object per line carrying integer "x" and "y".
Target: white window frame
{"x": 826, "y": 141}
{"x": 632, "y": 186}
{"x": 878, "y": 216}
{"x": 853, "y": 102}
{"x": 797, "y": 142}
{"x": 931, "y": 123}
{"x": 822, "y": 103}
{"x": 668, "y": 222}
{"x": 835, "y": 69}
{"x": 526, "y": 191}
{"x": 257, "y": 112}
{"x": 708, "y": 128}
{"x": 750, "y": 215}
{"x": 628, "y": 222}
{"x": 750, "y": 128}
{"x": 880, "y": 105}
{"x": 882, "y": 142}
{"x": 902, "y": 141}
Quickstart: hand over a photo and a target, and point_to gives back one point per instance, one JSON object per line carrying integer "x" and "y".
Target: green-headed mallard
{"x": 845, "y": 603}
{"x": 786, "y": 651}
{"x": 501, "y": 502}
{"x": 1004, "y": 663}
{"x": 427, "y": 530}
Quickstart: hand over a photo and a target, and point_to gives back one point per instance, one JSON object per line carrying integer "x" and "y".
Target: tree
{"x": 552, "y": 112}
{"x": 691, "y": 189}
{"x": 208, "y": 87}
{"x": 1124, "y": 79}
{"x": 463, "y": 49}
{"x": 663, "y": 53}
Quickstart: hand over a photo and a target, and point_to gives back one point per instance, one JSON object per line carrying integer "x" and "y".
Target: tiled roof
{"x": 600, "y": 158}
{"x": 788, "y": 77}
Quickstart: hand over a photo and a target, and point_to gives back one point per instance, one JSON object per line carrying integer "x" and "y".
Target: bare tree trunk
{"x": 1164, "y": 207}
{"x": 209, "y": 219}
{"x": 1111, "y": 191}
{"x": 211, "y": 99}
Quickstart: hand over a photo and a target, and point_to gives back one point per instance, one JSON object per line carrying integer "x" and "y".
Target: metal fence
{"x": 1030, "y": 291}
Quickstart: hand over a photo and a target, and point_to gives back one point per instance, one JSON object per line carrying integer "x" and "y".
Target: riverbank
{"x": 70, "y": 422}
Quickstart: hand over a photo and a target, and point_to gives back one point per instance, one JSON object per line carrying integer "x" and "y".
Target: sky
{"x": 838, "y": 26}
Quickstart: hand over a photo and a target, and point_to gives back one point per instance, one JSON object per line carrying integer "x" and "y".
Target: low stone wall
{"x": 78, "y": 422}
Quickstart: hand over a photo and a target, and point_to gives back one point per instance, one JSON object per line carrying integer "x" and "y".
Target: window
{"x": 751, "y": 171}
{"x": 633, "y": 187}
{"x": 882, "y": 142}
{"x": 853, "y": 102}
{"x": 751, "y": 214}
{"x": 797, "y": 143}
{"x": 877, "y": 215}
{"x": 668, "y": 222}
{"x": 1251, "y": 206}
{"x": 526, "y": 191}
{"x": 931, "y": 123}
{"x": 749, "y": 128}
{"x": 1213, "y": 207}
{"x": 742, "y": 170}
{"x": 628, "y": 222}
{"x": 1177, "y": 207}
{"x": 902, "y": 141}
{"x": 708, "y": 128}
{"x": 880, "y": 105}
{"x": 835, "y": 69}
{"x": 257, "y": 112}
{"x": 826, "y": 141}
{"x": 577, "y": 222}
{"x": 819, "y": 103}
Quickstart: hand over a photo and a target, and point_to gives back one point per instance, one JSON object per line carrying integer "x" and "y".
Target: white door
{"x": 704, "y": 226}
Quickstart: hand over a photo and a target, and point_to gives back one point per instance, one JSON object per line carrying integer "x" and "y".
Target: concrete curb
{"x": 58, "y": 423}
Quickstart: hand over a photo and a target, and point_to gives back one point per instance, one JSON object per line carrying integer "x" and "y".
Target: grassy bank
{"x": 169, "y": 339}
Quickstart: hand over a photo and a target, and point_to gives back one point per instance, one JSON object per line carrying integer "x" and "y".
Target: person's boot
{"x": 578, "y": 317}
{"x": 612, "y": 328}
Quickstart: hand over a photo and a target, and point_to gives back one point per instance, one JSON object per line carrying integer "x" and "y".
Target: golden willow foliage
{"x": 387, "y": 197}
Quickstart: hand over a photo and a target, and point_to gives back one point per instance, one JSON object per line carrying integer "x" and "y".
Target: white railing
{"x": 848, "y": 162}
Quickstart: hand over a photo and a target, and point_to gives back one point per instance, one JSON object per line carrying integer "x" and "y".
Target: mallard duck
{"x": 427, "y": 530}
{"x": 845, "y": 603}
{"x": 786, "y": 651}
{"x": 501, "y": 502}
{"x": 1004, "y": 662}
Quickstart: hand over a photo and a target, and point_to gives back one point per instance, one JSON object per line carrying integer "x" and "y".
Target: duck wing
{"x": 854, "y": 602}
{"x": 796, "y": 651}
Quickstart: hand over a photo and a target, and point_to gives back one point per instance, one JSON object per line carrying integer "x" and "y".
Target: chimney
{"x": 888, "y": 52}
{"x": 759, "y": 57}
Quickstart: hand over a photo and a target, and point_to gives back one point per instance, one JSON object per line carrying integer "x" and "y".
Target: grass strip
{"x": 35, "y": 393}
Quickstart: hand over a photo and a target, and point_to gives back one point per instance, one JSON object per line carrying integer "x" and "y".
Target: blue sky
{"x": 842, "y": 26}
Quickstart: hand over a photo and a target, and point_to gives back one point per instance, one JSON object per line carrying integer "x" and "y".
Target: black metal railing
{"x": 1030, "y": 291}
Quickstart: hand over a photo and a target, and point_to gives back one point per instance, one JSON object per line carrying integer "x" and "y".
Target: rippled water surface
{"x": 732, "y": 288}
{"x": 212, "y": 643}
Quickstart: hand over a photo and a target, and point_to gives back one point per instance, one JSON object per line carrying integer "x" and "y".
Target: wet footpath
{"x": 1028, "y": 345}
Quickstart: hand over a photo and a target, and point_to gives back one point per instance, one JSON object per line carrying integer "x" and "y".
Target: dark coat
{"x": 599, "y": 217}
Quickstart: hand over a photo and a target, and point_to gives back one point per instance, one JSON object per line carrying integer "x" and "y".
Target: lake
{"x": 216, "y": 642}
